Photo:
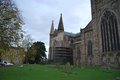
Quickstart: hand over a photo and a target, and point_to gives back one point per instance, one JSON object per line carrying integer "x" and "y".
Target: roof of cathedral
{"x": 77, "y": 34}
{"x": 69, "y": 34}
{"x": 89, "y": 26}
{"x": 72, "y": 34}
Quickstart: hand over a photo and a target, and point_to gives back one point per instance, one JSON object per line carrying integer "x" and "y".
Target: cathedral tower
{"x": 51, "y": 42}
{"x": 52, "y": 28}
{"x": 60, "y": 25}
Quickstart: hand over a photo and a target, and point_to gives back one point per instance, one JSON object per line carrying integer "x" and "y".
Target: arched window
{"x": 89, "y": 52}
{"x": 78, "y": 53}
{"x": 89, "y": 48}
{"x": 109, "y": 32}
{"x": 78, "y": 56}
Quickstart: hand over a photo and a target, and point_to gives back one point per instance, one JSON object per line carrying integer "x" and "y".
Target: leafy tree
{"x": 10, "y": 24}
{"x": 36, "y": 53}
{"x": 15, "y": 55}
{"x": 26, "y": 43}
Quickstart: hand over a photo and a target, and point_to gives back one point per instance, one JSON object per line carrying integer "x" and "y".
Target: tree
{"x": 10, "y": 24}
{"x": 36, "y": 53}
{"x": 26, "y": 44}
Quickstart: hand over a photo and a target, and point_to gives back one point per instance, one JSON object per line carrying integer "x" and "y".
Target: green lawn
{"x": 48, "y": 72}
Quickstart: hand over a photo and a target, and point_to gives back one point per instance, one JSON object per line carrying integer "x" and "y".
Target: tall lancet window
{"x": 89, "y": 48}
{"x": 109, "y": 32}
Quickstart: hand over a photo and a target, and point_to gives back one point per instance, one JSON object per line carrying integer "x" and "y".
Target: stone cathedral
{"x": 96, "y": 44}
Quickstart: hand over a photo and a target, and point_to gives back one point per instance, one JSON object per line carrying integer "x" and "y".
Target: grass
{"x": 48, "y": 72}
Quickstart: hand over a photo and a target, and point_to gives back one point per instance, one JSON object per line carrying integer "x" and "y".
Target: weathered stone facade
{"x": 96, "y": 44}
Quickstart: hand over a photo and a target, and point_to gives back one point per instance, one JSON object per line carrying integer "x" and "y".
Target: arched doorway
{"x": 89, "y": 52}
{"x": 78, "y": 57}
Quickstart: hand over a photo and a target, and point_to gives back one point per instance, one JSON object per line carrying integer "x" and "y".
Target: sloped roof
{"x": 89, "y": 26}
{"x": 69, "y": 34}
{"x": 77, "y": 34}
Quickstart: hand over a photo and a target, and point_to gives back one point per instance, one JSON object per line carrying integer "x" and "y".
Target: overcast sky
{"x": 38, "y": 14}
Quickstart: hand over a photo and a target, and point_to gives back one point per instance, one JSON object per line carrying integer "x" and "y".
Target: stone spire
{"x": 52, "y": 28}
{"x": 60, "y": 25}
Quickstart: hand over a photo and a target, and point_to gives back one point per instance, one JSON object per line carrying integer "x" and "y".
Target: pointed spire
{"x": 52, "y": 28}
{"x": 60, "y": 25}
